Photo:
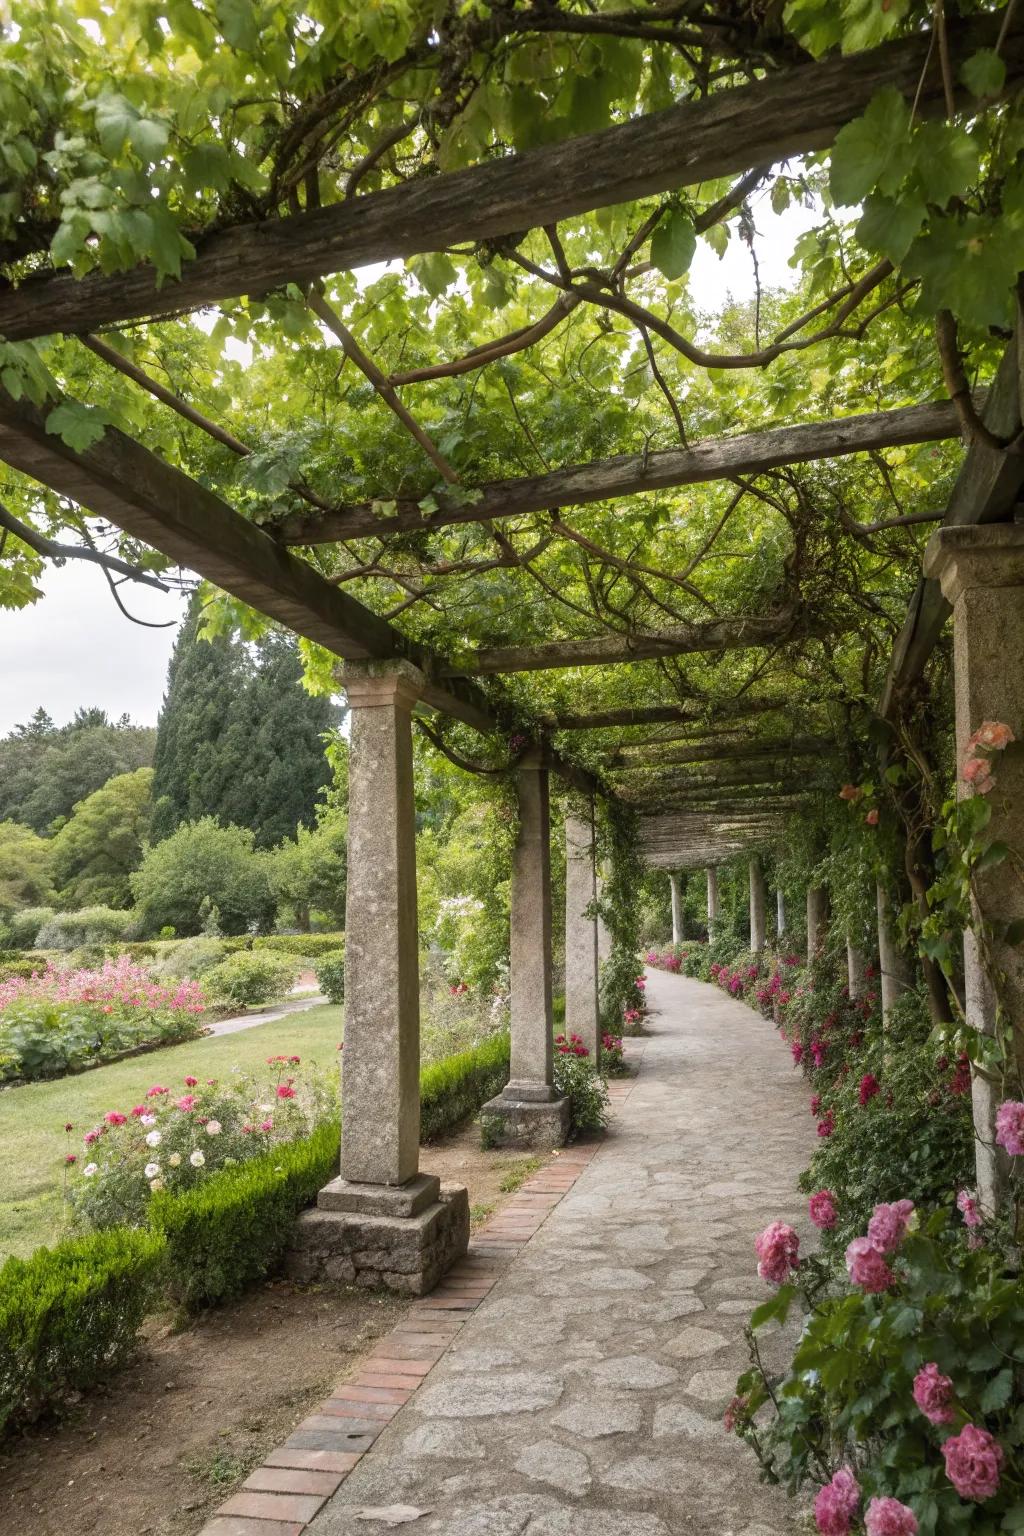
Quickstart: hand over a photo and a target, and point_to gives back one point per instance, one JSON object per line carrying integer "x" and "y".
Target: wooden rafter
{"x": 748, "y": 751}
{"x": 628, "y": 474}
{"x": 793, "y": 111}
{"x": 664, "y": 714}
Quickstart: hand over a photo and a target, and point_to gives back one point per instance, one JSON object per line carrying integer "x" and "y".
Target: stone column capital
{"x": 378, "y": 684}
{"x": 982, "y": 555}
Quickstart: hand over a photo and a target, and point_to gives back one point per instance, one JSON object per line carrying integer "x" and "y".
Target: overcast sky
{"x": 74, "y": 648}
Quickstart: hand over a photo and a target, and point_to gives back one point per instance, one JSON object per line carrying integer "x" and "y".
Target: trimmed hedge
{"x": 70, "y": 1315}
{"x": 306, "y": 946}
{"x": 455, "y": 1088}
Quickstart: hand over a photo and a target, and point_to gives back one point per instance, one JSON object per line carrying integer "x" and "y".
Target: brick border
{"x": 283, "y": 1495}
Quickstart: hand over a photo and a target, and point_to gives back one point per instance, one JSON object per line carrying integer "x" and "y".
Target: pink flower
{"x": 137, "y": 1110}
{"x": 867, "y": 1267}
{"x": 868, "y": 1088}
{"x": 266, "y": 1125}
{"x": 973, "y": 1459}
{"x": 967, "y": 1205}
{"x": 822, "y": 1209}
{"x": 71, "y": 1160}
{"x": 285, "y": 1091}
{"x": 191, "y": 1082}
{"x": 114, "y": 1117}
{"x": 90, "y": 1138}
{"x": 798, "y": 1052}
{"x": 815, "y": 1103}
{"x": 992, "y": 734}
{"x": 872, "y": 818}
{"x": 827, "y": 1125}
{"x": 836, "y": 1504}
{"x": 734, "y": 1413}
{"x": 933, "y": 1394}
{"x": 850, "y": 792}
{"x": 888, "y": 1517}
{"x": 777, "y": 1249}
{"x": 888, "y": 1225}
{"x": 153, "y": 1093}
{"x": 187, "y": 1102}
{"x": 976, "y": 772}
{"x": 1010, "y": 1127}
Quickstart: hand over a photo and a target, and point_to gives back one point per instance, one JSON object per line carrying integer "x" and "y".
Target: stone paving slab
{"x": 575, "y": 1386}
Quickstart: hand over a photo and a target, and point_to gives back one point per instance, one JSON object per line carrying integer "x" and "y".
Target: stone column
{"x": 758, "y": 905}
{"x": 982, "y": 574}
{"x": 895, "y": 969}
{"x": 677, "y": 908}
{"x": 527, "y": 1112}
{"x": 581, "y": 1002}
{"x": 382, "y": 1222}
{"x": 817, "y": 919}
{"x": 780, "y": 913}
{"x": 856, "y": 964}
{"x": 712, "y": 900}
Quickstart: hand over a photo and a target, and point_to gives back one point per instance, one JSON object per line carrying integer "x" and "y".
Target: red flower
{"x": 869, "y": 1086}
{"x": 71, "y": 1159}
{"x": 285, "y": 1091}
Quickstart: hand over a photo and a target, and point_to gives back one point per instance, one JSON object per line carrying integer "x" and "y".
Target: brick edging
{"x": 285, "y": 1493}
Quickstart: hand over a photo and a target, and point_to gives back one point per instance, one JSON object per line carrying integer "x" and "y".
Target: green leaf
{"x": 77, "y": 425}
{"x": 890, "y": 226}
{"x": 984, "y": 73}
{"x": 946, "y": 159}
{"x": 872, "y": 151}
{"x": 994, "y": 854}
{"x": 435, "y": 272}
{"x": 776, "y": 1308}
{"x": 996, "y": 1393}
{"x": 673, "y": 244}
{"x": 237, "y": 20}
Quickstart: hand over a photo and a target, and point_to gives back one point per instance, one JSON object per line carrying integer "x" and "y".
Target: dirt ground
{"x": 166, "y": 1441}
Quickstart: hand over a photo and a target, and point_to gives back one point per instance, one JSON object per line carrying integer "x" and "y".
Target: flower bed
{"x": 58, "y": 1021}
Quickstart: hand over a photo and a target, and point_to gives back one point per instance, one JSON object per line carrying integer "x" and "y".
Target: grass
{"x": 32, "y": 1118}
{"x": 518, "y": 1174}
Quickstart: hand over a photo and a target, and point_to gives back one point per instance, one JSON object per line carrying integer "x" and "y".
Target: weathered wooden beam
{"x": 748, "y": 750}
{"x": 664, "y": 714}
{"x": 791, "y": 112}
{"x": 629, "y": 474}
{"x": 609, "y": 649}
{"x": 986, "y": 490}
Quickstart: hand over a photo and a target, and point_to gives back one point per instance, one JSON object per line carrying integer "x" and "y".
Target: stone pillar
{"x": 581, "y": 1002}
{"x": 780, "y": 913}
{"x": 354, "y": 1235}
{"x": 856, "y": 964}
{"x": 981, "y": 570}
{"x": 677, "y": 908}
{"x": 758, "y": 905}
{"x": 894, "y": 966}
{"x": 817, "y": 919}
{"x": 527, "y": 1113}
{"x": 712, "y": 900}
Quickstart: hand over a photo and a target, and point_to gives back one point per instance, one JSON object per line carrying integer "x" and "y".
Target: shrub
{"x": 70, "y": 1315}
{"x": 189, "y": 957}
{"x": 203, "y": 866}
{"x": 21, "y": 929}
{"x": 453, "y": 1089}
{"x": 330, "y": 976}
{"x": 90, "y": 925}
{"x": 585, "y": 1089}
{"x": 227, "y": 1233}
{"x": 305, "y": 946}
{"x": 10, "y": 969}
{"x": 247, "y": 978}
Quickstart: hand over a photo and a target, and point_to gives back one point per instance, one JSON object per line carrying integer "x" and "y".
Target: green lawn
{"x": 32, "y": 1118}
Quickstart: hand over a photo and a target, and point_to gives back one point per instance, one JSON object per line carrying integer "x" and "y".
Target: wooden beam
{"x": 790, "y": 112}
{"x": 609, "y": 649}
{"x": 665, "y": 714}
{"x": 744, "y": 750}
{"x": 986, "y": 491}
{"x": 629, "y": 474}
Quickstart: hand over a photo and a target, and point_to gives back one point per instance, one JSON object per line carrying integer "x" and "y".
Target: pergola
{"x": 704, "y": 786}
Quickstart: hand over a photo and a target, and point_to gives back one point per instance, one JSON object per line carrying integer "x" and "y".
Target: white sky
{"x": 73, "y": 648}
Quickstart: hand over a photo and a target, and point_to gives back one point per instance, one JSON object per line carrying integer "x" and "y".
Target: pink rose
{"x": 888, "y": 1225}
{"x": 137, "y": 1110}
{"x": 933, "y": 1394}
{"x": 155, "y": 1092}
{"x": 967, "y": 1205}
{"x": 1010, "y": 1127}
{"x": 187, "y": 1102}
{"x": 191, "y": 1082}
{"x": 836, "y": 1504}
{"x": 777, "y": 1249}
{"x": 869, "y": 1086}
{"x": 872, "y": 818}
{"x": 827, "y": 1125}
{"x": 822, "y": 1209}
{"x": 867, "y": 1267}
{"x": 114, "y": 1117}
{"x": 973, "y": 1459}
{"x": 992, "y": 734}
{"x": 888, "y": 1517}
{"x": 285, "y": 1091}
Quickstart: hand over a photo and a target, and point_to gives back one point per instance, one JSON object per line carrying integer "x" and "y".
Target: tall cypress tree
{"x": 238, "y": 737}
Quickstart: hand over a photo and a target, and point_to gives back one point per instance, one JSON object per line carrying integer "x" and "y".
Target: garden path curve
{"x": 584, "y": 1395}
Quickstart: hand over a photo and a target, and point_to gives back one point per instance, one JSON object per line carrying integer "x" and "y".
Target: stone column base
{"x": 511, "y": 1121}
{"x": 403, "y": 1238}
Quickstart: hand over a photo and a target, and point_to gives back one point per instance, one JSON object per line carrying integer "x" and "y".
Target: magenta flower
{"x": 836, "y": 1504}
{"x": 869, "y": 1086}
{"x": 154, "y": 1093}
{"x": 71, "y": 1160}
{"x": 973, "y": 1461}
{"x": 888, "y": 1517}
{"x": 827, "y": 1124}
{"x": 285, "y": 1091}
{"x": 867, "y": 1267}
{"x": 191, "y": 1082}
{"x": 114, "y": 1117}
{"x": 188, "y": 1101}
{"x": 933, "y": 1394}
{"x": 888, "y": 1225}
{"x": 798, "y": 1052}
{"x": 777, "y": 1251}
{"x": 1010, "y": 1127}
{"x": 967, "y": 1205}
{"x": 822, "y": 1209}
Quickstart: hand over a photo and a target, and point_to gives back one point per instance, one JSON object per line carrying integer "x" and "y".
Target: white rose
{"x": 197, "y": 1159}
{"x": 152, "y": 1169}
{"x": 90, "y": 1169}
{"x": 213, "y": 1127}
{"x": 154, "y": 1139}
{"x": 175, "y": 1159}
{"x": 147, "y": 1119}
{"x": 156, "y": 1185}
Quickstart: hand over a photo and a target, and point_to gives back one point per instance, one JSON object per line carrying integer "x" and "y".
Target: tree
{"x": 308, "y": 874}
{"x": 26, "y": 878}
{"x": 98, "y": 848}
{"x": 201, "y": 870}
{"x": 238, "y": 737}
{"x": 45, "y": 770}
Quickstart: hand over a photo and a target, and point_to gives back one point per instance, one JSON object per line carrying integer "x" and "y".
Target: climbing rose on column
{"x": 967, "y": 1205}
{"x": 1010, "y": 1127}
{"x": 973, "y": 1459}
{"x": 933, "y": 1394}
{"x": 867, "y": 1267}
{"x": 836, "y": 1504}
{"x": 822, "y": 1209}
{"x": 888, "y": 1517}
{"x": 888, "y": 1225}
{"x": 777, "y": 1251}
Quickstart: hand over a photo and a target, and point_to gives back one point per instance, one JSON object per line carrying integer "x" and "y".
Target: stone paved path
{"x": 583, "y": 1396}
{"x": 249, "y": 1020}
